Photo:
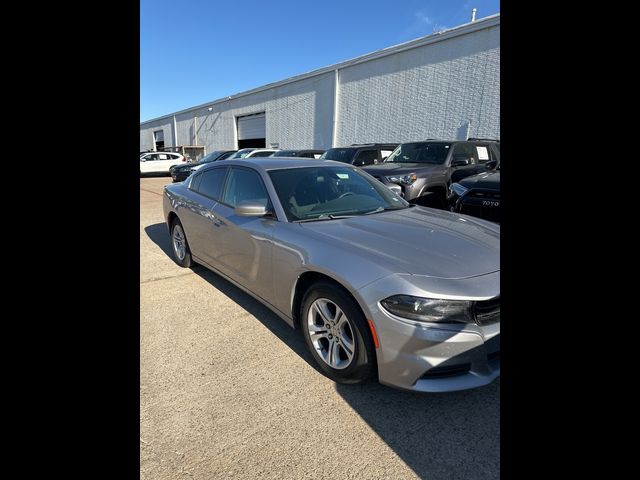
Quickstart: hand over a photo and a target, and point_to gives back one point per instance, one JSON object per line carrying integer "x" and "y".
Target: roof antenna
{"x": 473, "y": 14}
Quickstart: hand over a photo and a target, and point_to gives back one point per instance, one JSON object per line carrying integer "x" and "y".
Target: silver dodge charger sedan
{"x": 378, "y": 287}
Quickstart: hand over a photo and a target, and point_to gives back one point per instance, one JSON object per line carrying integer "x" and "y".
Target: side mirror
{"x": 491, "y": 164}
{"x": 460, "y": 162}
{"x": 143, "y": 159}
{"x": 247, "y": 208}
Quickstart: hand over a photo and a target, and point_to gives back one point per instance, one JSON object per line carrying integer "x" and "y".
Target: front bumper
{"x": 433, "y": 357}
{"x": 479, "y": 203}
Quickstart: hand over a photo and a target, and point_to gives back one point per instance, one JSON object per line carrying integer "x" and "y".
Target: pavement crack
{"x": 157, "y": 279}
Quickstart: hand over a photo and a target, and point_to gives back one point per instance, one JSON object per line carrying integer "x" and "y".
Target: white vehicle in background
{"x": 159, "y": 162}
{"x": 252, "y": 153}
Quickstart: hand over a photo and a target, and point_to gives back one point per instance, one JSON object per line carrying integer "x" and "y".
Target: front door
{"x": 243, "y": 245}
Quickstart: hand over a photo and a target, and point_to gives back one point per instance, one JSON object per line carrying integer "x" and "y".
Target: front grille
{"x": 487, "y": 312}
{"x": 484, "y": 194}
{"x": 447, "y": 371}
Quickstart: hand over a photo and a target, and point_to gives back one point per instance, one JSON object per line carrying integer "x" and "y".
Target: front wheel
{"x": 181, "y": 251}
{"x": 337, "y": 334}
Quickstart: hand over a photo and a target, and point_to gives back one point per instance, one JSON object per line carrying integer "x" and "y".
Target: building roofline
{"x": 480, "y": 24}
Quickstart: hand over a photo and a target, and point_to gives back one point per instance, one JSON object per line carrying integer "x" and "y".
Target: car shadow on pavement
{"x": 159, "y": 235}
{"x": 452, "y": 435}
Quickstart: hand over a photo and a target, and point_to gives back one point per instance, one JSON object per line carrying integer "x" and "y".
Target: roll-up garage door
{"x": 252, "y": 126}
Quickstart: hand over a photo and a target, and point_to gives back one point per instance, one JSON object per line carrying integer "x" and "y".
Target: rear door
{"x": 198, "y": 216}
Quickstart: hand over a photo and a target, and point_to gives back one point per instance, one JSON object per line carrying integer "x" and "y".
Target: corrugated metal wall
{"x": 424, "y": 92}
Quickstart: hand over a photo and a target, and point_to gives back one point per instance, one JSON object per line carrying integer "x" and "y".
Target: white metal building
{"x": 445, "y": 85}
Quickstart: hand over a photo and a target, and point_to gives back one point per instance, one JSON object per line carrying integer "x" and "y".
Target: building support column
{"x": 336, "y": 104}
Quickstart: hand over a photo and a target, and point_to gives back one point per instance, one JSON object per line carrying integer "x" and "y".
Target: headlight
{"x": 458, "y": 189}
{"x": 429, "y": 309}
{"x": 404, "y": 179}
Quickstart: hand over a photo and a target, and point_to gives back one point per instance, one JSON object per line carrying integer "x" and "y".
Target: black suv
{"x": 360, "y": 155}
{"x": 422, "y": 172}
{"x": 478, "y": 195}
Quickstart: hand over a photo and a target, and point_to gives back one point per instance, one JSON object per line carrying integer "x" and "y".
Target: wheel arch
{"x": 308, "y": 278}
{"x": 171, "y": 218}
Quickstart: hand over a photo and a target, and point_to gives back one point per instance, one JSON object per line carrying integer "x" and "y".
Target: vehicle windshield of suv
{"x": 420, "y": 152}
{"x": 326, "y": 193}
{"x": 211, "y": 157}
{"x": 338, "y": 154}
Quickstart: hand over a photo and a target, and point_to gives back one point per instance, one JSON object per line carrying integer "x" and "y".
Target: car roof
{"x": 365, "y": 145}
{"x": 276, "y": 163}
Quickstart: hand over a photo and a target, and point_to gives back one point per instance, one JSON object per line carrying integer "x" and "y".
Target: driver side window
{"x": 464, "y": 151}
{"x": 243, "y": 184}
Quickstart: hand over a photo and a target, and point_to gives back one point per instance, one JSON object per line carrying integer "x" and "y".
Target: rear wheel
{"x": 337, "y": 334}
{"x": 181, "y": 251}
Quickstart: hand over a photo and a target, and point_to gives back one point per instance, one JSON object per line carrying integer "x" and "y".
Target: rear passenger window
{"x": 245, "y": 185}
{"x": 211, "y": 183}
{"x": 195, "y": 183}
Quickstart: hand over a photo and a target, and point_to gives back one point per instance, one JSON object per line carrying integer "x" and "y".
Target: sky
{"x": 197, "y": 51}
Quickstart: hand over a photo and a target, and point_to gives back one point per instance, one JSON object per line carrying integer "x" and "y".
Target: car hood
{"x": 417, "y": 240}
{"x": 400, "y": 168}
{"x": 489, "y": 180}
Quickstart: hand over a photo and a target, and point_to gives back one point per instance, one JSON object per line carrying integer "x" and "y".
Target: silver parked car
{"x": 377, "y": 286}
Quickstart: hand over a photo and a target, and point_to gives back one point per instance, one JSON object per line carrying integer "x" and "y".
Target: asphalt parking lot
{"x": 227, "y": 390}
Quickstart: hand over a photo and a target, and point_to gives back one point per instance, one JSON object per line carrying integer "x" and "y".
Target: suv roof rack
{"x": 372, "y": 144}
{"x": 484, "y": 139}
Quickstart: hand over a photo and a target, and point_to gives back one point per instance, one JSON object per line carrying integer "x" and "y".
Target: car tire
{"x": 432, "y": 200}
{"x": 179, "y": 245}
{"x": 347, "y": 333}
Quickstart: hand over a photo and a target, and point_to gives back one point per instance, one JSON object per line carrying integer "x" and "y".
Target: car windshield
{"x": 420, "y": 152}
{"x": 211, "y": 157}
{"x": 327, "y": 192}
{"x": 339, "y": 154}
{"x": 241, "y": 153}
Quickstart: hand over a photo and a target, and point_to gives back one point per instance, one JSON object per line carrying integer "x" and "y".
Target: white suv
{"x": 159, "y": 162}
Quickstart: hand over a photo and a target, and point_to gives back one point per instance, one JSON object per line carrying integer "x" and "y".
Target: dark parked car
{"x": 421, "y": 172}
{"x": 179, "y": 173}
{"x": 298, "y": 153}
{"x": 360, "y": 155}
{"x": 478, "y": 195}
